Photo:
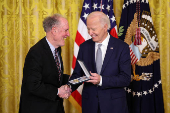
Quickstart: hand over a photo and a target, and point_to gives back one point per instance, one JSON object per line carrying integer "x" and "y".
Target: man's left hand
{"x": 95, "y": 78}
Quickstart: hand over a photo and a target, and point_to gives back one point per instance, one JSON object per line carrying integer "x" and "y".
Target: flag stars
{"x": 124, "y": 6}
{"x": 127, "y": 3}
{"x": 108, "y": 16}
{"x": 85, "y": 16}
{"x": 134, "y": 93}
{"x": 156, "y": 85}
{"x": 94, "y": 6}
{"x": 150, "y": 91}
{"x": 143, "y": 1}
{"x": 153, "y": 89}
{"x": 139, "y": 94}
{"x": 101, "y": 7}
{"x": 125, "y": 88}
{"x": 147, "y": 1}
{"x": 108, "y": 8}
{"x": 113, "y": 19}
{"x": 131, "y": 1}
{"x": 129, "y": 90}
{"x": 145, "y": 92}
{"x": 86, "y": 6}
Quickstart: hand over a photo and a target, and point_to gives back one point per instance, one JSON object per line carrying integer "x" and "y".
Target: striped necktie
{"x": 57, "y": 63}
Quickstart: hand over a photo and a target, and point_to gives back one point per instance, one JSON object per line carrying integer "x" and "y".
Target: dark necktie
{"x": 99, "y": 59}
{"x": 57, "y": 63}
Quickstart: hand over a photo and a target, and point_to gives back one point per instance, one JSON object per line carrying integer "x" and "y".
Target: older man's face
{"x": 96, "y": 30}
{"x": 62, "y": 32}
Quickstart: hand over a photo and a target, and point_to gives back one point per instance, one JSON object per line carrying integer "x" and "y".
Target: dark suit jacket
{"x": 41, "y": 81}
{"x": 116, "y": 74}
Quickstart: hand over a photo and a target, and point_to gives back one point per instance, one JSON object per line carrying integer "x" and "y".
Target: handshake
{"x": 64, "y": 91}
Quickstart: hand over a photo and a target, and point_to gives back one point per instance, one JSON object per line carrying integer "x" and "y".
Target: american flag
{"x": 106, "y": 6}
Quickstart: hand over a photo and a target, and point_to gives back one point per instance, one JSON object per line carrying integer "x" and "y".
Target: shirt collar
{"x": 51, "y": 46}
{"x": 105, "y": 42}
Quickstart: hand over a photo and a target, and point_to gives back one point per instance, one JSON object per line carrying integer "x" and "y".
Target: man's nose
{"x": 68, "y": 34}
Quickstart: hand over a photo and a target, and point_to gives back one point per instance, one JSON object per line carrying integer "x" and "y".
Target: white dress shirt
{"x": 103, "y": 48}
{"x": 53, "y": 50}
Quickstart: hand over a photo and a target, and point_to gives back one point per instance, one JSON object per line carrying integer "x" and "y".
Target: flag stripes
{"x": 134, "y": 59}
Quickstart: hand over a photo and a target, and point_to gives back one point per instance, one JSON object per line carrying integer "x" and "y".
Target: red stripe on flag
{"x": 74, "y": 62}
{"x": 131, "y": 53}
{"x": 77, "y": 97}
{"x": 79, "y": 39}
{"x": 133, "y": 56}
{"x": 134, "y": 59}
{"x": 130, "y": 49}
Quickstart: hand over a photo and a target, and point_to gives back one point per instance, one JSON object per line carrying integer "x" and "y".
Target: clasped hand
{"x": 64, "y": 91}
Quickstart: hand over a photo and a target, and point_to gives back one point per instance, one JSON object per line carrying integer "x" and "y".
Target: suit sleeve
{"x": 65, "y": 79}
{"x": 78, "y": 72}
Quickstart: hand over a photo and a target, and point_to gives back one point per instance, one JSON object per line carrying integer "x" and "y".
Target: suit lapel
{"x": 48, "y": 52}
{"x": 109, "y": 52}
{"x": 92, "y": 52}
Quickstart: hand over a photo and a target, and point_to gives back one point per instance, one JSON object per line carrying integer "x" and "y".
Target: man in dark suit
{"x": 43, "y": 79}
{"x": 110, "y": 70}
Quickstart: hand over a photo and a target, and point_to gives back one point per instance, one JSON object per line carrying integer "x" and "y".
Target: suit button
{"x": 97, "y": 96}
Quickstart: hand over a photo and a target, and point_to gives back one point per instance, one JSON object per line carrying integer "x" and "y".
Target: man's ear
{"x": 54, "y": 30}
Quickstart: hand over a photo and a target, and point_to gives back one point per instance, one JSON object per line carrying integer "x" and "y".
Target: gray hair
{"x": 103, "y": 18}
{"x": 51, "y": 21}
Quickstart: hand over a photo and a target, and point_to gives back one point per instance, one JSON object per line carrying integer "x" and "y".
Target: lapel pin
{"x": 111, "y": 48}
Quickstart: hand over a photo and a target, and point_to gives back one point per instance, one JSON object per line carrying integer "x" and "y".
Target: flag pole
{"x": 101, "y": 6}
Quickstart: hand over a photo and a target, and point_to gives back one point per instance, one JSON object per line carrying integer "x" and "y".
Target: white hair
{"x": 102, "y": 17}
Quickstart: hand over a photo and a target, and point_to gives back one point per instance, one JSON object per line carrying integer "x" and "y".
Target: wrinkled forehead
{"x": 93, "y": 21}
